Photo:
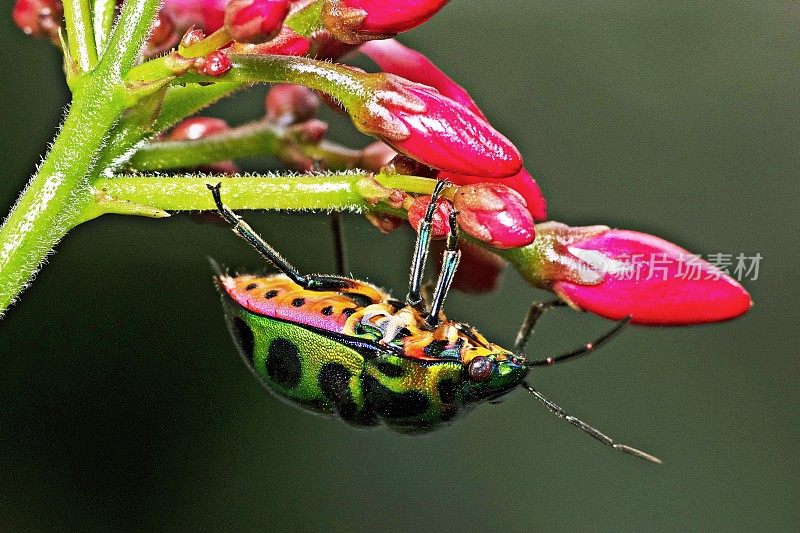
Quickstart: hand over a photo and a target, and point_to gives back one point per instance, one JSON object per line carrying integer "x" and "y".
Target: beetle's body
{"x": 341, "y": 346}
{"x": 359, "y": 354}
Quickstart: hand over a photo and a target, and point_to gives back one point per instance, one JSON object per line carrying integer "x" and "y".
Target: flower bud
{"x": 162, "y": 36}
{"x": 255, "y": 21}
{"x": 419, "y": 122}
{"x": 215, "y": 64}
{"x": 440, "y": 227}
{"x": 628, "y": 273}
{"x": 395, "y": 58}
{"x": 522, "y": 182}
{"x": 356, "y": 21}
{"x": 494, "y": 214}
{"x": 196, "y": 128}
{"x": 39, "y": 18}
{"x": 208, "y": 15}
{"x": 286, "y": 43}
{"x": 376, "y": 156}
{"x": 287, "y": 104}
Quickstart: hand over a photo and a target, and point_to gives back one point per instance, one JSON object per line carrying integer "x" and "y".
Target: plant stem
{"x": 343, "y": 191}
{"x": 103, "y": 15}
{"x": 78, "y": 21}
{"x": 56, "y": 196}
{"x": 258, "y": 138}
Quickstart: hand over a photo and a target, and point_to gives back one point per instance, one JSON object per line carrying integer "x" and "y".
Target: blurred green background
{"x": 124, "y": 404}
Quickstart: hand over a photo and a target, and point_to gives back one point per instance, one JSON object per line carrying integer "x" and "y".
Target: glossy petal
{"x": 494, "y": 214}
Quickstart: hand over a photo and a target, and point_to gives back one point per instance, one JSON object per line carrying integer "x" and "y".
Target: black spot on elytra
{"x": 447, "y": 390}
{"x": 271, "y": 294}
{"x": 349, "y": 311}
{"x": 251, "y": 287}
{"x": 327, "y": 311}
{"x": 392, "y": 405}
{"x": 389, "y": 369}
{"x": 298, "y": 302}
{"x": 243, "y": 336}
{"x": 435, "y": 348}
{"x": 361, "y": 300}
{"x": 283, "y": 363}
{"x": 334, "y": 382}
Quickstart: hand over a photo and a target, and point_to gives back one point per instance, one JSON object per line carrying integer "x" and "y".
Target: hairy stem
{"x": 259, "y": 138}
{"x": 80, "y": 33}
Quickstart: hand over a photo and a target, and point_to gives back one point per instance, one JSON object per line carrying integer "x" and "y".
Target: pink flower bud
{"x": 376, "y": 156}
{"x": 215, "y": 64}
{"x": 208, "y": 15}
{"x": 354, "y": 21}
{"x": 643, "y": 276}
{"x": 255, "y": 21}
{"x": 195, "y": 128}
{"x": 40, "y": 18}
{"x": 286, "y": 43}
{"x": 395, "y": 58}
{"x": 163, "y": 35}
{"x": 286, "y": 104}
{"x": 419, "y": 122}
{"x": 522, "y": 182}
{"x": 440, "y": 227}
{"x": 494, "y": 214}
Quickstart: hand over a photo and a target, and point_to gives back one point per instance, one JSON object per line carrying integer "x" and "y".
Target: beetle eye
{"x": 480, "y": 368}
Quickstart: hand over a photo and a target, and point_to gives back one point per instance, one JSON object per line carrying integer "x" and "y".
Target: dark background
{"x": 125, "y": 405}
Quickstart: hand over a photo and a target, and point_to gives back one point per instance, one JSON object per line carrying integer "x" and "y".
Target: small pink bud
{"x": 208, "y": 15}
{"x": 385, "y": 223}
{"x": 163, "y": 35}
{"x": 376, "y": 156}
{"x": 195, "y": 128}
{"x": 643, "y": 276}
{"x": 494, "y": 214}
{"x": 286, "y": 104}
{"x": 255, "y": 21}
{"x": 522, "y": 182}
{"x": 192, "y": 36}
{"x": 354, "y": 21}
{"x": 440, "y": 227}
{"x": 311, "y": 131}
{"x": 215, "y": 64}
{"x": 419, "y": 122}
{"x": 39, "y": 18}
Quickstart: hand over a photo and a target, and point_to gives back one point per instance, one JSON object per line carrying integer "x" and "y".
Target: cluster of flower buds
{"x": 428, "y": 125}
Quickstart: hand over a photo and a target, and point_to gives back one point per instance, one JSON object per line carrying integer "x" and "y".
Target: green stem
{"x": 54, "y": 199}
{"x": 103, "y": 15}
{"x": 343, "y": 191}
{"x": 307, "y": 21}
{"x": 78, "y": 21}
{"x": 256, "y": 139}
{"x": 124, "y": 50}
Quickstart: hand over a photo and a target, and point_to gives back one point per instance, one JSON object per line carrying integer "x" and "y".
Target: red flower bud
{"x": 494, "y": 214}
{"x": 286, "y": 43}
{"x": 479, "y": 270}
{"x": 395, "y": 58}
{"x": 255, "y": 21}
{"x": 214, "y": 64}
{"x": 643, "y": 276}
{"x": 195, "y": 128}
{"x": 163, "y": 35}
{"x": 440, "y": 227}
{"x": 40, "y": 18}
{"x": 208, "y": 15}
{"x": 423, "y": 124}
{"x": 522, "y": 182}
{"x": 376, "y": 156}
{"x": 355, "y": 21}
{"x": 286, "y": 104}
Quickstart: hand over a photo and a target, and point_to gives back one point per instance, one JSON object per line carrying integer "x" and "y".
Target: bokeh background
{"x": 123, "y": 403}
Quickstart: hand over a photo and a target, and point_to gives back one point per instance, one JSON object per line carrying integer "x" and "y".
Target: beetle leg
{"x": 535, "y": 312}
{"x": 413, "y": 297}
{"x": 452, "y": 255}
{"x": 243, "y": 229}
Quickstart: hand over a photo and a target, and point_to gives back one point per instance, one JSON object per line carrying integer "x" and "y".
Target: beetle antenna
{"x": 413, "y": 298}
{"x": 589, "y": 430}
{"x": 586, "y": 349}
{"x": 449, "y": 264}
